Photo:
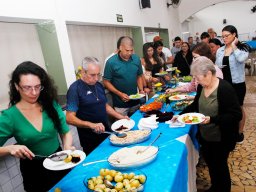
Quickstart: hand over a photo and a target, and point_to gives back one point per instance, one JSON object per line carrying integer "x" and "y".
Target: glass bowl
{"x": 132, "y": 180}
{"x": 133, "y": 137}
{"x": 126, "y": 158}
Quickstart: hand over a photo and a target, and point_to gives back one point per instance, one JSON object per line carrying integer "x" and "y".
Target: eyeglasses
{"x": 226, "y": 36}
{"x": 27, "y": 89}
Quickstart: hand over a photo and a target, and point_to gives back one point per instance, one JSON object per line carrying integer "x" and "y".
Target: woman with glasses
{"x": 35, "y": 120}
{"x": 231, "y": 58}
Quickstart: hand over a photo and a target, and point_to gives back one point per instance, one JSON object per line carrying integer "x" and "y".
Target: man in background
{"x": 191, "y": 42}
{"x": 211, "y": 32}
{"x": 205, "y": 37}
{"x": 177, "y": 46}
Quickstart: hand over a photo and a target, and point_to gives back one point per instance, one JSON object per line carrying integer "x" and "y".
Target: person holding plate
{"x": 216, "y": 99}
{"x": 87, "y": 106}
{"x": 123, "y": 76}
{"x": 35, "y": 120}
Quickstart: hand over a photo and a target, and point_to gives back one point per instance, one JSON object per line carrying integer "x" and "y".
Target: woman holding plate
{"x": 35, "y": 120}
{"x": 216, "y": 99}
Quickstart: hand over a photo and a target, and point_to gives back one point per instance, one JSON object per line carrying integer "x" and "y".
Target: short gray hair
{"x": 89, "y": 60}
{"x": 201, "y": 65}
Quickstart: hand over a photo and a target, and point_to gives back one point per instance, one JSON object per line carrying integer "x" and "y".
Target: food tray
{"x": 132, "y": 142}
{"x": 148, "y": 158}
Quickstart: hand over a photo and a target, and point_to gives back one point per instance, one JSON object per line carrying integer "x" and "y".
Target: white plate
{"x": 222, "y": 66}
{"x": 61, "y": 165}
{"x": 178, "y": 97}
{"x": 125, "y": 122}
{"x": 171, "y": 69}
{"x": 132, "y": 97}
{"x": 198, "y": 115}
{"x": 161, "y": 74}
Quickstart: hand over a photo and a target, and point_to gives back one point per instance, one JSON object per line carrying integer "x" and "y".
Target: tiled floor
{"x": 242, "y": 161}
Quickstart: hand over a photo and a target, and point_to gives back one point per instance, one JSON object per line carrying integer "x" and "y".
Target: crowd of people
{"x": 35, "y": 119}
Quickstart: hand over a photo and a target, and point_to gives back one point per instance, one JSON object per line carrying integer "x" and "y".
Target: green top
{"x": 209, "y": 107}
{"x": 123, "y": 75}
{"x": 14, "y": 124}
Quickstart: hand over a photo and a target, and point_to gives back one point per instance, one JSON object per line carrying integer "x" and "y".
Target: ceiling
{"x": 187, "y": 8}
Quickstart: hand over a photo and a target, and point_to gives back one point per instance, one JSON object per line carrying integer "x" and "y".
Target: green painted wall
{"x": 50, "y": 48}
{"x": 165, "y": 36}
{"x": 138, "y": 40}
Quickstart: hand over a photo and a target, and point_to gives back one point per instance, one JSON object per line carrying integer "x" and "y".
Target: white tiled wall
{"x": 10, "y": 176}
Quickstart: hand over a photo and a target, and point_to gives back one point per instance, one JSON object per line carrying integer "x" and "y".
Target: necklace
{"x": 94, "y": 94}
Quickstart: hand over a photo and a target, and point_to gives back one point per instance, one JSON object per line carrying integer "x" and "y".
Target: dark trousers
{"x": 36, "y": 178}
{"x": 89, "y": 140}
{"x": 216, "y": 158}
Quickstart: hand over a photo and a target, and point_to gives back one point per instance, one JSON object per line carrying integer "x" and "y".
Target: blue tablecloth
{"x": 252, "y": 44}
{"x": 168, "y": 172}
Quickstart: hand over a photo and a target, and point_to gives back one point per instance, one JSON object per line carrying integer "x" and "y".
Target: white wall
{"x": 99, "y": 12}
{"x": 237, "y": 13}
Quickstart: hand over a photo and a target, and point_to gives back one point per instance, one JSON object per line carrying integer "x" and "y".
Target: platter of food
{"x": 133, "y": 137}
{"x": 180, "y": 105}
{"x": 187, "y": 78}
{"x": 178, "y": 97}
{"x": 136, "y": 96}
{"x": 123, "y": 125}
{"x": 155, "y": 105}
{"x": 191, "y": 118}
{"x": 128, "y": 157}
{"x": 72, "y": 160}
{"x": 105, "y": 179}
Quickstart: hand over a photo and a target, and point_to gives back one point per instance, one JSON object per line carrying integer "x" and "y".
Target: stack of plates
{"x": 148, "y": 123}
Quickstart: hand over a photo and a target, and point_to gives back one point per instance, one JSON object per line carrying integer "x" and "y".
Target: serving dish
{"x": 178, "y": 97}
{"x": 180, "y": 105}
{"x": 129, "y": 158}
{"x": 133, "y": 137}
{"x": 105, "y": 179}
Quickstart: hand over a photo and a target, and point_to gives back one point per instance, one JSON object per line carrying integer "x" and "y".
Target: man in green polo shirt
{"x": 123, "y": 77}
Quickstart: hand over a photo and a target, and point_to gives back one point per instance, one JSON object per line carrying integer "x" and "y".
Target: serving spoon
{"x": 143, "y": 150}
{"x": 55, "y": 157}
{"x": 120, "y": 135}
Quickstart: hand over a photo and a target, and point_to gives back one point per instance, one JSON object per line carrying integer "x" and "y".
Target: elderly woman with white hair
{"x": 217, "y": 100}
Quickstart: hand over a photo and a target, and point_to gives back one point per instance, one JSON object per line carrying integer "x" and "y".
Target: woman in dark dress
{"x": 183, "y": 59}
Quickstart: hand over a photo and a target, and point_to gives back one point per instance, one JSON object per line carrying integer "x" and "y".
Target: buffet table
{"x": 173, "y": 170}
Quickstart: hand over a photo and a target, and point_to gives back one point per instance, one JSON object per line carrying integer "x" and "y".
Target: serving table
{"x": 173, "y": 170}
